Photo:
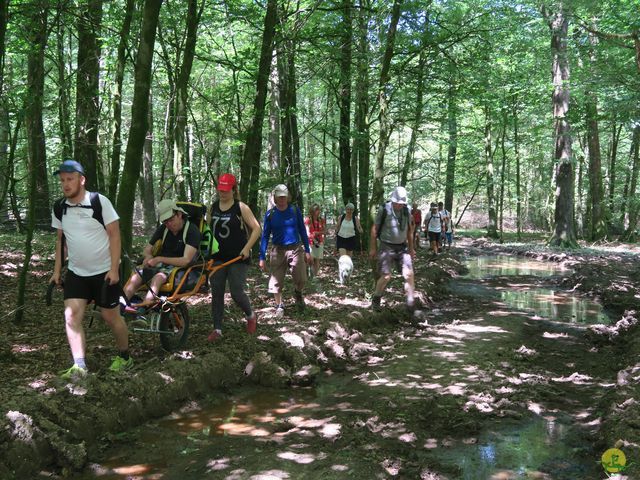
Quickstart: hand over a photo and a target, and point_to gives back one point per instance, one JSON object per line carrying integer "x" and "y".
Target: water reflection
{"x": 542, "y": 302}
{"x": 558, "y": 306}
{"x": 504, "y": 265}
{"x": 523, "y": 451}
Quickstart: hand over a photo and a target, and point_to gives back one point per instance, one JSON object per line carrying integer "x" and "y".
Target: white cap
{"x": 399, "y": 195}
{"x": 281, "y": 191}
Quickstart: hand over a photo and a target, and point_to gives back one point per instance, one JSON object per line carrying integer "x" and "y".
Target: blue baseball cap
{"x": 69, "y": 166}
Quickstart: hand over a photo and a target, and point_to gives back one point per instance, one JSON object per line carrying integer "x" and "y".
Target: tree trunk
{"x": 503, "y": 170}
{"x": 377, "y": 194}
{"x": 64, "y": 102}
{"x": 273, "y": 147}
{"x": 88, "y": 90}
{"x": 250, "y": 166}
{"x": 147, "y": 190}
{"x": 38, "y": 200}
{"x": 516, "y": 149}
{"x": 598, "y": 217}
{"x": 613, "y": 156}
{"x": 452, "y": 121}
{"x": 181, "y": 171}
{"x": 289, "y": 122}
{"x": 416, "y": 121}
{"x": 633, "y": 203}
{"x": 139, "y": 120}
{"x": 361, "y": 140}
{"x": 116, "y": 125}
{"x": 344, "y": 103}
{"x": 37, "y": 37}
{"x": 492, "y": 226}
{"x": 564, "y": 228}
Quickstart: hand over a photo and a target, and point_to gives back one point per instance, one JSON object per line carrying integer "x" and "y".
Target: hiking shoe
{"x": 299, "y": 301}
{"x": 252, "y": 323}
{"x": 215, "y": 335}
{"x": 375, "y": 303}
{"x": 119, "y": 364}
{"x": 74, "y": 373}
{"x": 280, "y": 310}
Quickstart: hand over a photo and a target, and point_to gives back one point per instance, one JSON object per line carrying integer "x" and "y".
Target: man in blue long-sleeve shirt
{"x": 289, "y": 249}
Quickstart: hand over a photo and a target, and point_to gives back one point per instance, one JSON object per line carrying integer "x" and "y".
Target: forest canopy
{"x": 525, "y": 113}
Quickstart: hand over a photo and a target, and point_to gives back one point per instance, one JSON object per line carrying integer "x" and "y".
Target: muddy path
{"x": 475, "y": 388}
{"x": 472, "y": 387}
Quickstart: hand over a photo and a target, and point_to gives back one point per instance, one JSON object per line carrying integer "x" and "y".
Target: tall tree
{"x": 88, "y": 90}
{"x": 139, "y": 120}
{"x": 116, "y": 123}
{"x": 564, "y": 234}
{"x": 180, "y": 156}
{"x": 633, "y": 203}
{"x": 452, "y": 123}
{"x": 36, "y": 31}
{"x": 38, "y": 200}
{"x": 361, "y": 140}
{"x": 377, "y": 194}
{"x": 344, "y": 102}
{"x": 596, "y": 204}
{"x": 250, "y": 166}
{"x": 289, "y": 120}
{"x": 492, "y": 225}
{"x": 64, "y": 101}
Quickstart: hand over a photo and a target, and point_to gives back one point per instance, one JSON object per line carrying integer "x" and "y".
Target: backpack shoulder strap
{"x": 96, "y": 205}
{"x": 60, "y": 208}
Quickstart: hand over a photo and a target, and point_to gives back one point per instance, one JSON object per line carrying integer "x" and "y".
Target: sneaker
{"x": 411, "y": 306}
{"x": 119, "y": 364}
{"x": 74, "y": 373}
{"x": 375, "y": 303}
{"x": 299, "y": 301}
{"x": 215, "y": 335}
{"x": 252, "y": 323}
{"x": 280, "y": 310}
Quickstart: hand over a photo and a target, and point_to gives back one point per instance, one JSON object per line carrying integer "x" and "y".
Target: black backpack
{"x": 60, "y": 207}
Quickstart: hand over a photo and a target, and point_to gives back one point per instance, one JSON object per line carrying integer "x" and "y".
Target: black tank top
{"x": 229, "y": 229}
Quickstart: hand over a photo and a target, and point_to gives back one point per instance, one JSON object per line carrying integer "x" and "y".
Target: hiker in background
{"x": 283, "y": 224}
{"x": 433, "y": 225}
{"x": 416, "y": 214}
{"x": 92, "y": 240}
{"x": 447, "y": 227}
{"x": 236, "y": 229}
{"x": 316, "y": 229}
{"x": 346, "y": 231}
{"x": 169, "y": 247}
{"x": 393, "y": 226}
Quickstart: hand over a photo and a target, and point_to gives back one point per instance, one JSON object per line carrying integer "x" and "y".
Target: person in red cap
{"x": 236, "y": 230}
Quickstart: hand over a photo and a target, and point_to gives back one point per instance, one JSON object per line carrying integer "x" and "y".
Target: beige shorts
{"x": 289, "y": 258}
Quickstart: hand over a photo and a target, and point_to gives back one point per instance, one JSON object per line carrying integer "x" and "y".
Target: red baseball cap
{"x": 226, "y": 182}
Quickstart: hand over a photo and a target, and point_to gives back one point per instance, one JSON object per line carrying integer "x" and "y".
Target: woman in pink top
{"x": 316, "y": 226}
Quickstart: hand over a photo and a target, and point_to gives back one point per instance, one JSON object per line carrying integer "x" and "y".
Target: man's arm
{"x": 115, "y": 249}
{"x": 57, "y": 267}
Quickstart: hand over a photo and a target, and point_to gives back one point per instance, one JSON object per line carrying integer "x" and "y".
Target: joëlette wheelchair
{"x": 168, "y": 315}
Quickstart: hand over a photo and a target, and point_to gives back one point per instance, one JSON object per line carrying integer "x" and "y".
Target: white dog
{"x": 345, "y": 268}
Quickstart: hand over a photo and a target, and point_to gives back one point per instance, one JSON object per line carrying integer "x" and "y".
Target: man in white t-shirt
{"x": 87, "y": 226}
{"x": 447, "y": 226}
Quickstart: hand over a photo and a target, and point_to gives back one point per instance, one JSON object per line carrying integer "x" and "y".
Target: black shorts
{"x": 91, "y": 288}
{"x": 348, "y": 244}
